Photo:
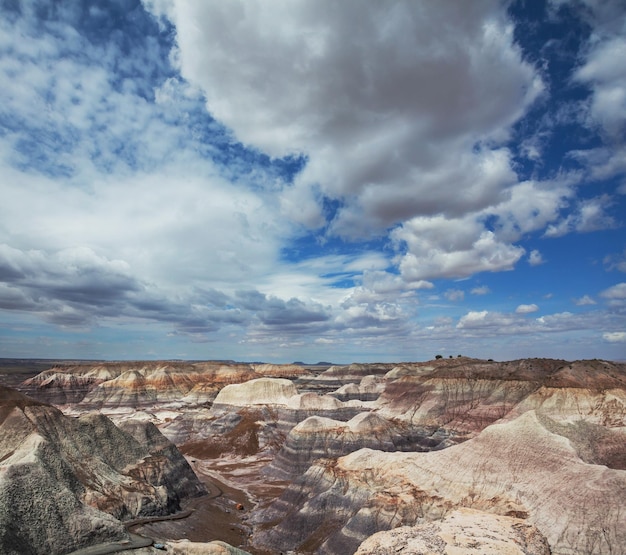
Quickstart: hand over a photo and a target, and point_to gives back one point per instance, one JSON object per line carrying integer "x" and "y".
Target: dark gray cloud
{"x": 273, "y": 311}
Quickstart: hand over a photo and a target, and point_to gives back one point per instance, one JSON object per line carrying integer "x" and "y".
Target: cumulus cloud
{"x": 605, "y": 71}
{"x": 440, "y": 247}
{"x": 585, "y": 300}
{"x": 454, "y": 295}
{"x": 526, "y": 308}
{"x": 615, "y": 295}
{"x": 617, "y": 291}
{"x": 398, "y": 117}
{"x": 482, "y": 290}
{"x": 590, "y": 215}
{"x": 530, "y": 206}
{"x": 487, "y": 323}
{"x": 535, "y": 258}
{"x": 615, "y": 336}
{"x": 615, "y": 262}
{"x": 484, "y": 319}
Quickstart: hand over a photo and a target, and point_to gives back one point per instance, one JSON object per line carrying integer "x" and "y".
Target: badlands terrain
{"x": 452, "y": 456}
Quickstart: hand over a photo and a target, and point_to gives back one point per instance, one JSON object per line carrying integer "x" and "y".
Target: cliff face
{"x": 65, "y": 481}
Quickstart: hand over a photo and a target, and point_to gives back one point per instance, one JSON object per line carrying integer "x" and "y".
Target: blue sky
{"x": 312, "y": 180}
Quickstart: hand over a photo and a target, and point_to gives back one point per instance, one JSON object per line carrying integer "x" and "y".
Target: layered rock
{"x": 318, "y": 437}
{"x": 518, "y": 468}
{"x": 289, "y": 371}
{"x": 466, "y": 395}
{"x": 61, "y": 388}
{"x": 261, "y": 391}
{"x": 65, "y": 481}
{"x": 128, "y": 386}
{"x": 462, "y": 531}
{"x": 337, "y": 376}
{"x": 252, "y": 418}
{"x": 368, "y": 389}
{"x": 184, "y": 547}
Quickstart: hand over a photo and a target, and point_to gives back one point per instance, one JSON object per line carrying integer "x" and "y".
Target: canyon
{"x": 454, "y": 455}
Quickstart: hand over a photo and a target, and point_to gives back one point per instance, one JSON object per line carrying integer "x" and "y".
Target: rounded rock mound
{"x": 261, "y": 391}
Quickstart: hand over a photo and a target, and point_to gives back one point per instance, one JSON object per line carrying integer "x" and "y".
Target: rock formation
{"x": 261, "y": 391}
{"x": 441, "y": 455}
{"x": 518, "y": 468}
{"x": 184, "y": 547}
{"x": 289, "y": 371}
{"x": 115, "y": 386}
{"x": 318, "y": 437}
{"x": 65, "y": 482}
{"x": 62, "y": 388}
{"x": 337, "y": 376}
{"x": 464, "y": 531}
{"x": 466, "y": 395}
{"x": 252, "y": 418}
{"x": 368, "y": 389}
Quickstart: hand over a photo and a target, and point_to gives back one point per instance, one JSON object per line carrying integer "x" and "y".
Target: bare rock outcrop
{"x": 261, "y": 391}
{"x": 518, "y": 468}
{"x": 61, "y": 388}
{"x": 319, "y": 436}
{"x": 256, "y": 423}
{"x": 128, "y": 386}
{"x": 65, "y": 482}
{"x": 463, "y": 532}
{"x": 185, "y": 547}
{"x": 289, "y": 371}
{"x": 368, "y": 389}
{"x": 466, "y": 395}
{"x": 337, "y": 376}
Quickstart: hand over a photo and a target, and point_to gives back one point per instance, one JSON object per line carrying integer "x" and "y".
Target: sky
{"x": 312, "y": 180}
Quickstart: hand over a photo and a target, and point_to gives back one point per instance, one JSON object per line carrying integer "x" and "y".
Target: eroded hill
{"x": 521, "y": 456}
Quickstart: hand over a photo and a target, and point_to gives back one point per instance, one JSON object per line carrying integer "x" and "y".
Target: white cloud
{"x": 440, "y": 247}
{"x": 535, "y": 258}
{"x": 605, "y": 70}
{"x": 526, "y": 308}
{"x": 585, "y": 300}
{"x": 454, "y": 295}
{"x": 529, "y": 206}
{"x": 589, "y": 215}
{"x": 615, "y": 295}
{"x": 615, "y": 262}
{"x": 615, "y": 336}
{"x": 617, "y": 291}
{"x": 390, "y": 120}
{"x": 482, "y": 290}
{"x": 484, "y": 320}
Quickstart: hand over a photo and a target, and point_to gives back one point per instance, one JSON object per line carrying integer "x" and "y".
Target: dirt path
{"x": 234, "y": 488}
{"x": 215, "y": 517}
